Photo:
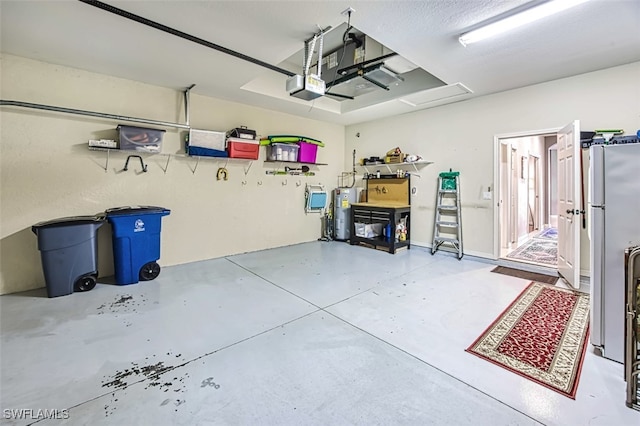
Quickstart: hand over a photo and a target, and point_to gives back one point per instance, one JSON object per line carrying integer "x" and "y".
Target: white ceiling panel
{"x": 595, "y": 35}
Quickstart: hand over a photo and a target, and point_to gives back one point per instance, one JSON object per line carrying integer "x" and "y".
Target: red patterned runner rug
{"x": 542, "y": 336}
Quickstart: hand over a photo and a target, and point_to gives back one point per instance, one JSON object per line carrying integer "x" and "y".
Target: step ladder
{"x": 448, "y": 220}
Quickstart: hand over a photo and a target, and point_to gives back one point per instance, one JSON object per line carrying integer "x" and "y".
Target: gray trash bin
{"x": 69, "y": 251}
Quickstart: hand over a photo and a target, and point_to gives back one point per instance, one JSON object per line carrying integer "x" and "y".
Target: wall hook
{"x": 244, "y": 182}
{"x": 284, "y": 182}
{"x": 259, "y": 182}
{"x": 126, "y": 164}
{"x": 298, "y": 183}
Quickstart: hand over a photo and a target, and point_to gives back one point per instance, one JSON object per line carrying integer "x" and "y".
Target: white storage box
{"x": 207, "y": 139}
{"x": 368, "y": 230}
{"x": 103, "y": 143}
{"x": 283, "y": 152}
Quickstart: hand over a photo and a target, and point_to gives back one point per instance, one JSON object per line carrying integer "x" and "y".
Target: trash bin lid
{"x": 69, "y": 221}
{"x": 136, "y": 210}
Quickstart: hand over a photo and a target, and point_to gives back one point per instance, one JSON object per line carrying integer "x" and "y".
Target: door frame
{"x": 534, "y": 164}
{"x": 496, "y": 176}
{"x": 512, "y": 193}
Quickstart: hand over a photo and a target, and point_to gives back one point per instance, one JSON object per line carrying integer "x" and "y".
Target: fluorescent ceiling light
{"x": 517, "y": 20}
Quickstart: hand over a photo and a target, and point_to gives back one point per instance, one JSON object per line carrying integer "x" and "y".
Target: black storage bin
{"x": 242, "y": 132}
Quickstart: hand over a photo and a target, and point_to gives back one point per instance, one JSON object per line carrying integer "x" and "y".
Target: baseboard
{"x": 481, "y": 255}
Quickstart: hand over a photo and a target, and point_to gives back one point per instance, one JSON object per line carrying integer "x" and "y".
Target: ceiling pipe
{"x": 173, "y": 31}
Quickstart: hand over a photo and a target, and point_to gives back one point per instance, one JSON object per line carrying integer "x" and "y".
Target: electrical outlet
{"x": 486, "y": 195}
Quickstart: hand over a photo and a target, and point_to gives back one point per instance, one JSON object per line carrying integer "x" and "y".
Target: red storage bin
{"x": 243, "y": 148}
{"x": 307, "y": 152}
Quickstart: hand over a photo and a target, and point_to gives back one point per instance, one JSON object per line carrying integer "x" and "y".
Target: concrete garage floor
{"x": 317, "y": 333}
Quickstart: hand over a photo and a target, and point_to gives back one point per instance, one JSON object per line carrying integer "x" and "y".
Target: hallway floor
{"x": 540, "y": 248}
{"x": 317, "y": 333}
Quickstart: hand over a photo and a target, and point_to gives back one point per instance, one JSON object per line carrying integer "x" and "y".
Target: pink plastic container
{"x": 307, "y": 152}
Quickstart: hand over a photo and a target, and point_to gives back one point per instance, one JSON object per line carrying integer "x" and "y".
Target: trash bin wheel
{"x": 86, "y": 283}
{"x": 149, "y": 271}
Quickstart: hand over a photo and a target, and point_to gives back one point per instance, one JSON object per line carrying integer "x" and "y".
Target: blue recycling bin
{"x": 136, "y": 242}
{"x": 69, "y": 252}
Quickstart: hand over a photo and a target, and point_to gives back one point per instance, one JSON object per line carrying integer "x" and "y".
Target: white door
{"x": 569, "y": 152}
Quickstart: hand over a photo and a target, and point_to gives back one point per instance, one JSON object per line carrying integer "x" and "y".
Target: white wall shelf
{"x": 393, "y": 167}
{"x": 169, "y": 155}
{"x": 294, "y": 162}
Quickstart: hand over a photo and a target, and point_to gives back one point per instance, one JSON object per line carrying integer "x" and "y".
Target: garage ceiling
{"x": 595, "y": 35}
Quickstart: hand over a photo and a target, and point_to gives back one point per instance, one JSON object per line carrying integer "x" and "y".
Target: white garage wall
{"x": 47, "y": 171}
{"x": 461, "y": 136}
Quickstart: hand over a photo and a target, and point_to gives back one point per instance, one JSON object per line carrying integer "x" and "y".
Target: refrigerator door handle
{"x": 596, "y": 254}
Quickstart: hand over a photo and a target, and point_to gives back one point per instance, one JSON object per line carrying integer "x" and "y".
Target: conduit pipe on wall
{"x": 105, "y": 115}
{"x": 91, "y": 113}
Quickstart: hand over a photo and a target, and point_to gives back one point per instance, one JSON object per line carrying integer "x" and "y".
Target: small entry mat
{"x": 530, "y": 276}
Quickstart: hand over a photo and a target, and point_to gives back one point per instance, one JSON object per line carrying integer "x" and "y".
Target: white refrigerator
{"x": 614, "y": 195}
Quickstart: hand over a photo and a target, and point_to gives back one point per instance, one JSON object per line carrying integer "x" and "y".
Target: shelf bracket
{"x": 193, "y": 171}
{"x": 246, "y": 170}
{"x": 106, "y": 164}
{"x": 416, "y": 169}
{"x": 166, "y": 166}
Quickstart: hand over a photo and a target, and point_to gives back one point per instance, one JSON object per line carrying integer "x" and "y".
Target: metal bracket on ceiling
{"x": 309, "y": 49}
{"x": 372, "y": 81}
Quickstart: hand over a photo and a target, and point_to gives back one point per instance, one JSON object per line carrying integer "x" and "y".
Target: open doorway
{"x": 527, "y": 183}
